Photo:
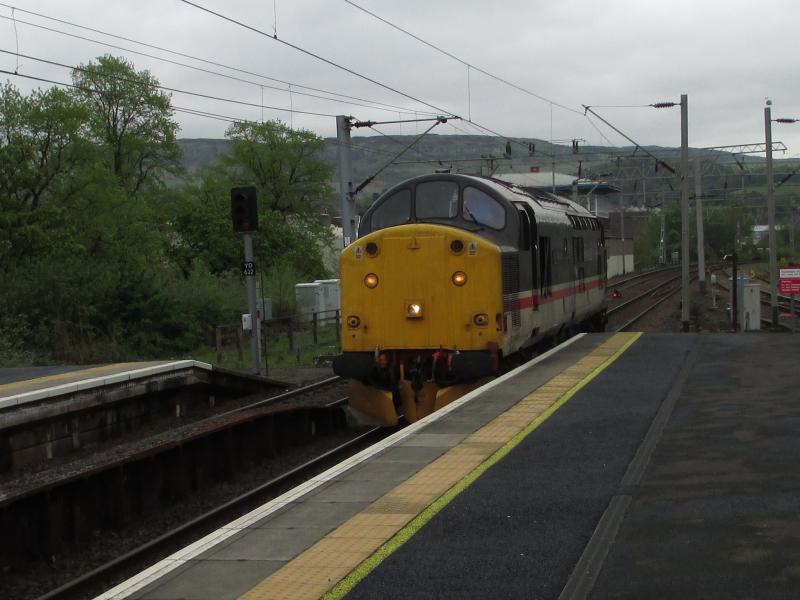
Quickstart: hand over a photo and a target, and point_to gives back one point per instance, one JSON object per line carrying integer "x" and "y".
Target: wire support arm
{"x": 664, "y": 164}
{"x": 414, "y": 142}
{"x": 438, "y": 119}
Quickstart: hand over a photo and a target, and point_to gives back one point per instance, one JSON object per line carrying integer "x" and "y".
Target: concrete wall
{"x": 614, "y": 265}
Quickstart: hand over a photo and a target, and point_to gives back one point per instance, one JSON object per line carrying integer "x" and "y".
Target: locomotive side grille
{"x": 511, "y": 287}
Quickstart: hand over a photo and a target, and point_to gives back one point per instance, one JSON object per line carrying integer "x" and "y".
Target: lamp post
{"x": 684, "y": 212}
{"x": 684, "y": 175}
{"x": 773, "y": 258}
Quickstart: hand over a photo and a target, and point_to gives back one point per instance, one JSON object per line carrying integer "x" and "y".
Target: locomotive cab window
{"x": 395, "y": 210}
{"x": 436, "y": 200}
{"x": 481, "y": 208}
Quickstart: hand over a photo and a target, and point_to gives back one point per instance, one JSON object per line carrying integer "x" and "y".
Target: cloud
{"x": 727, "y": 55}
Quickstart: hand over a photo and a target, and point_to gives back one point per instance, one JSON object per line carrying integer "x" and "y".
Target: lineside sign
{"x": 789, "y": 278}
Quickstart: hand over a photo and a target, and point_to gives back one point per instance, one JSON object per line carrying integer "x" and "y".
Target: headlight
{"x": 371, "y": 280}
{"x": 459, "y": 278}
{"x": 414, "y": 310}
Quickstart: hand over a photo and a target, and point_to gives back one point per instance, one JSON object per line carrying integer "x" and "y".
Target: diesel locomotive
{"x": 452, "y": 274}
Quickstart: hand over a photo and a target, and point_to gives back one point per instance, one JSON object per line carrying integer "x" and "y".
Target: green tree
{"x": 292, "y": 181}
{"x": 285, "y": 164}
{"x": 131, "y": 118}
{"x": 42, "y": 153}
{"x": 41, "y": 142}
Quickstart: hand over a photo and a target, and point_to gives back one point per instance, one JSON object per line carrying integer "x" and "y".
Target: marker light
{"x": 353, "y": 321}
{"x": 459, "y": 278}
{"x": 615, "y": 294}
{"x": 481, "y": 319}
{"x": 372, "y": 249}
{"x": 456, "y": 246}
{"x": 414, "y": 310}
{"x": 371, "y": 280}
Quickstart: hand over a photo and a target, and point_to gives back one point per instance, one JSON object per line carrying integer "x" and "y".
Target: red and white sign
{"x": 789, "y": 278}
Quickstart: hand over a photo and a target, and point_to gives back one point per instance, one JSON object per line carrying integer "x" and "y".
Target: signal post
{"x": 244, "y": 212}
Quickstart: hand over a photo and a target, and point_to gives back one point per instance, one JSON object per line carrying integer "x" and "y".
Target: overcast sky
{"x": 727, "y": 55}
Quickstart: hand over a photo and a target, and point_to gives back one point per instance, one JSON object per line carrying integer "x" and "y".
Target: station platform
{"x": 616, "y": 465}
{"x": 26, "y": 384}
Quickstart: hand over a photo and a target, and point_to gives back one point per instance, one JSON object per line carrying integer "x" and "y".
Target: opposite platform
{"x": 23, "y": 386}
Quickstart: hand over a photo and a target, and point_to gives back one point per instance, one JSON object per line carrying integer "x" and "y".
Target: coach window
{"x": 436, "y": 200}
{"x": 481, "y": 208}
{"x": 524, "y": 230}
{"x": 395, "y": 210}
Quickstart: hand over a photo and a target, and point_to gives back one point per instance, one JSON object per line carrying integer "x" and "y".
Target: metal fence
{"x": 304, "y": 339}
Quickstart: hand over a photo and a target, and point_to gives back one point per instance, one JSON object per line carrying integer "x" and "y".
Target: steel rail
{"x": 285, "y": 396}
{"x": 642, "y": 295}
{"x": 642, "y": 275}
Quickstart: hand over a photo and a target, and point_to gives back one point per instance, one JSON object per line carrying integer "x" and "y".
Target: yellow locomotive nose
{"x": 416, "y": 287}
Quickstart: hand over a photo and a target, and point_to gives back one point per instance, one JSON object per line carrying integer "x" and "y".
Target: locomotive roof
{"x": 547, "y": 207}
{"x": 504, "y": 189}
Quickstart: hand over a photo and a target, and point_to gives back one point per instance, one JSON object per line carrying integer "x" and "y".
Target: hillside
{"x": 468, "y": 153}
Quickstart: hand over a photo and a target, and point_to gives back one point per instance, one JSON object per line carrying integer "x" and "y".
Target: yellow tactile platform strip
{"x": 315, "y": 571}
{"x": 8, "y": 389}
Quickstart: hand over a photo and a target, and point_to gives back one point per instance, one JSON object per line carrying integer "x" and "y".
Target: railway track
{"x": 117, "y": 570}
{"x": 61, "y": 514}
{"x": 664, "y": 289}
{"x": 623, "y": 282}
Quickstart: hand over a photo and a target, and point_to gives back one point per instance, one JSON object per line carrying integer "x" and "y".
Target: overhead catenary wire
{"x": 375, "y": 104}
{"x": 177, "y": 90}
{"x": 317, "y": 56}
{"x": 351, "y": 71}
{"x": 181, "y": 109}
{"x": 229, "y": 118}
{"x": 462, "y": 61}
{"x": 16, "y": 36}
{"x": 512, "y": 140}
{"x": 599, "y": 131}
{"x": 191, "y": 111}
{"x": 469, "y": 66}
{"x": 398, "y": 142}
